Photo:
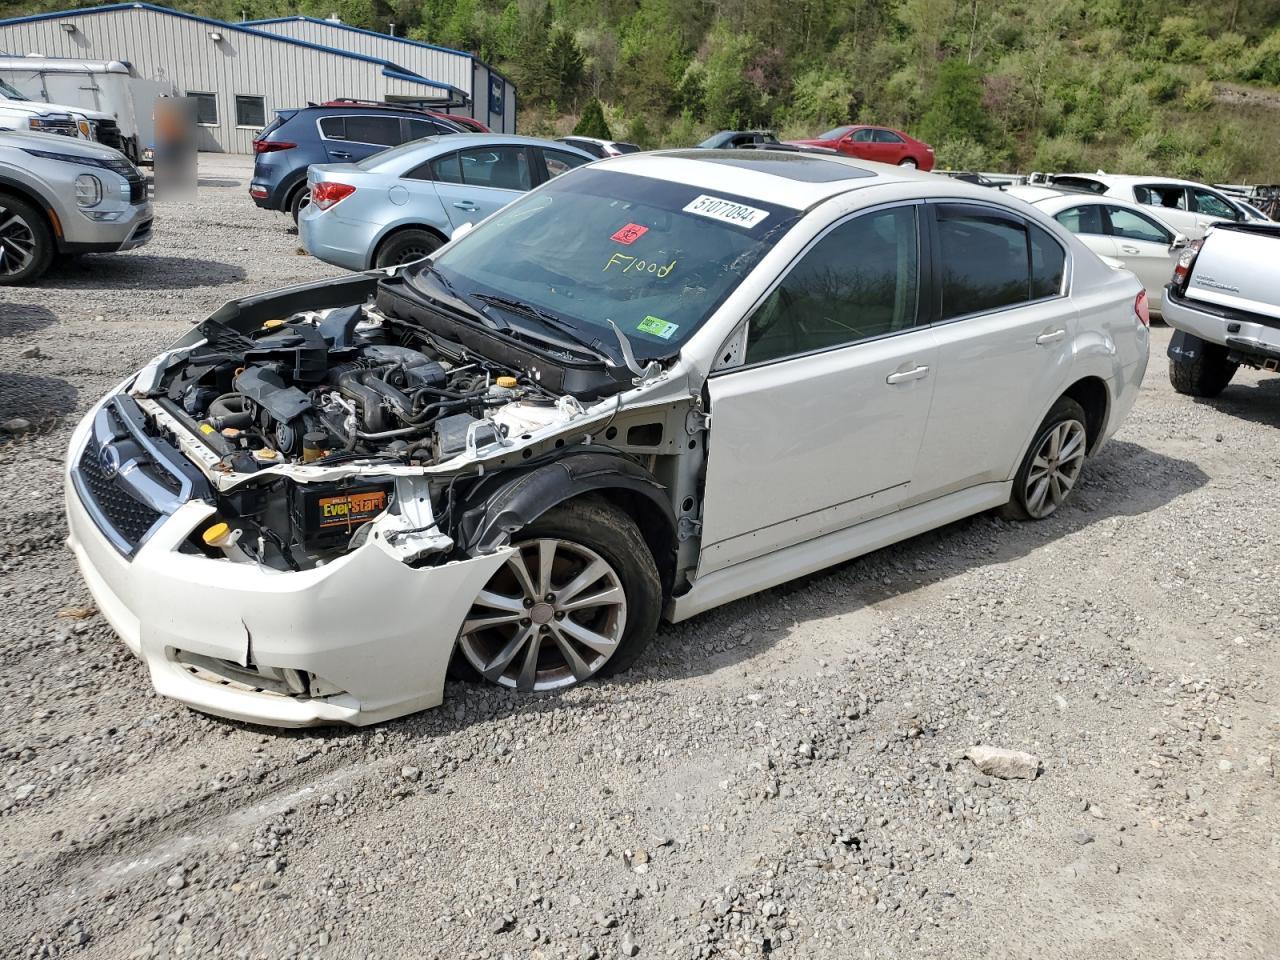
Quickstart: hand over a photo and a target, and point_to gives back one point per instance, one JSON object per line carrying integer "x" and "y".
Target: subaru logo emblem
{"x": 109, "y": 460}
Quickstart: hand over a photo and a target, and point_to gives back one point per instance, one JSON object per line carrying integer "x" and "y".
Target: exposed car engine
{"x": 340, "y": 385}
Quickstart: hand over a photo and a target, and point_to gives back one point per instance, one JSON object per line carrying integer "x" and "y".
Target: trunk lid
{"x": 1236, "y": 268}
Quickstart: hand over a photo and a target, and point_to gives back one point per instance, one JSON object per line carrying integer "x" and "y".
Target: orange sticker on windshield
{"x": 629, "y": 234}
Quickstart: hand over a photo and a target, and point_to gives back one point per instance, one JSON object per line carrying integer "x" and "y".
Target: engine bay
{"x": 327, "y": 386}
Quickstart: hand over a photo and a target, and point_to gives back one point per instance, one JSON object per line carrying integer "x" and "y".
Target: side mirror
{"x": 1179, "y": 241}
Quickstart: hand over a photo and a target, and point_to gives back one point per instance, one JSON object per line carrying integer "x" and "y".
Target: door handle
{"x": 340, "y": 154}
{"x": 466, "y": 205}
{"x": 1130, "y": 250}
{"x": 903, "y": 376}
{"x": 1051, "y": 337}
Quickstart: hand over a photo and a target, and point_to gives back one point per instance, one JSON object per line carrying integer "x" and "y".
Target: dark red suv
{"x": 875, "y": 143}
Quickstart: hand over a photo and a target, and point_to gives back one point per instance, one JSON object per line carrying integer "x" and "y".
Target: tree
{"x": 955, "y": 110}
{"x": 565, "y": 63}
{"x": 592, "y": 122}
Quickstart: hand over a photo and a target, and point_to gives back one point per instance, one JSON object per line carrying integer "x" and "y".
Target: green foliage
{"x": 592, "y": 122}
{"x": 1119, "y": 84}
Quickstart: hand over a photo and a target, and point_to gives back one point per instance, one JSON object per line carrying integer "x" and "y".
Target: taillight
{"x": 1186, "y": 260}
{"x": 272, "y": 146}
{"x": 1141, "y": 309}
{"x": 326, "y": 193}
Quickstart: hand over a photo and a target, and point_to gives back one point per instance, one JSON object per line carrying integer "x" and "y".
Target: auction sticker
{"x": 726, "y": 211}
{"x": 657, "y": 327}
{"x": 629, "y": 234}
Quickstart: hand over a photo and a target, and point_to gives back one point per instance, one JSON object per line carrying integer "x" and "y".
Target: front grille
{"x": 131, "y": 519}
{"x": 109, "y": 134}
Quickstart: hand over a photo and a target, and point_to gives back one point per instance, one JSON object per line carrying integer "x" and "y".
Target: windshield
{"x": 10, "y": 93}
{"x": 591, "y": 246}
{"x": 835, "y": 134}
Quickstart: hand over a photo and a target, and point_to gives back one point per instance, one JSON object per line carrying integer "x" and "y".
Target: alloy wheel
{"x": 550, "y": 617}
{"x": 17, "y": 242}
{"x": 1055, "y": 468}
{"x": 908, "y": 163}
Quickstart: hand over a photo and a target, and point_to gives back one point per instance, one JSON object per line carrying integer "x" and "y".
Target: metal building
{"x": 237, "y": 75}
{"x": 492, "y": 97}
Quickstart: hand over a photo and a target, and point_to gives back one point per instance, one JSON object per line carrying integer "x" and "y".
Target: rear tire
{"x": 1052, "y": 464}
{"x": 300, "y": 197}
{"x": 1205, "y": 376}
{"x": 406, "y": 246}
{"x": 909, "y": 162}
{"x": 26, "y": 242}
{"x": 585, "y": 606}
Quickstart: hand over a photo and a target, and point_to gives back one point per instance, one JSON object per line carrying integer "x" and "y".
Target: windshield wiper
{"x": 459, "y": 302}
{"x": 547, "y": 319}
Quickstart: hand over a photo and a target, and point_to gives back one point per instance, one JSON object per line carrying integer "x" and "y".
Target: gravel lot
{"x": 785, "y": 775}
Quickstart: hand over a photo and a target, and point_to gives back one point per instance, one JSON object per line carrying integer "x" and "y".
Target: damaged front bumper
{"x": 358, "y": 640}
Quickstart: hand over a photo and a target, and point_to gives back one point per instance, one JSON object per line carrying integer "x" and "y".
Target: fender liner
{"x": 498, "y": 512}
{"x": 36, "y": 196}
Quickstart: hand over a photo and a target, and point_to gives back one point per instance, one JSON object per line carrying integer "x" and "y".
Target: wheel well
{"x": 12, "y": 190}
{"x": 654, "y": 527}
{"x": 392, "y": 234}
{"x": 1091, "y": 394}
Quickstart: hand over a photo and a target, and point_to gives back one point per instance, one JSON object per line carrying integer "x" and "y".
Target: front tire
{"x": 1052, "y": 464}
{"x": 405, "y": 247}
{"x": 580, "y": 598}
{"x": 1207, "y": 375}
{"x": 26, "y": 242}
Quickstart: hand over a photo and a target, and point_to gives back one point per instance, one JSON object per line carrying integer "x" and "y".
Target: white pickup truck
{"x": 1224, "y": 304}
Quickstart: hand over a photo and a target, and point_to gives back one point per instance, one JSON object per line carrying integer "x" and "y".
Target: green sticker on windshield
{"x": 657, "y": 327}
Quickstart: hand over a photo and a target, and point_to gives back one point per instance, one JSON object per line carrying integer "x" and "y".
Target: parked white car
{"x": 649, "y": 387}
{"x": 1115, "y": 230}
{"x": 1186, "y": 206}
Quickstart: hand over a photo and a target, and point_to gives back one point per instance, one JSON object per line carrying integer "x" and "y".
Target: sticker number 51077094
{"x": 726, "y": 211}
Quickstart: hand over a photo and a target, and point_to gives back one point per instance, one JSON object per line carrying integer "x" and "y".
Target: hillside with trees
{"x": 1181, "y": 88}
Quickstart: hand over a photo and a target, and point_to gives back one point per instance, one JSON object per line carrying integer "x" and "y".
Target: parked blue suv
{"x": 335, "y": 132}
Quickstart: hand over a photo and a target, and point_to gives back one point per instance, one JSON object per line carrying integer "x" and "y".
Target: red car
{"x": 875, "y": 143}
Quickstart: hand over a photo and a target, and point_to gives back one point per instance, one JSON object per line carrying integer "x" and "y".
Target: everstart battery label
{"x": 351, "y": 508}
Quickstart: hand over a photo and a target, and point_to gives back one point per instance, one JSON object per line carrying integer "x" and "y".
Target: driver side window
{"x": 861, "y": 280}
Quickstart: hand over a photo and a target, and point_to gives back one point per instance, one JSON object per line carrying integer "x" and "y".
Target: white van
{"x": 103, "y": 91}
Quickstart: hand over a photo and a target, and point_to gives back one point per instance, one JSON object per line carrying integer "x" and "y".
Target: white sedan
{"x": 1115, "y": 229}
{"x": 649, "y": 387}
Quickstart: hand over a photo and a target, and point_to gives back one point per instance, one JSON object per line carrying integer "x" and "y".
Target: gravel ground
{"x": 785, "y": 775}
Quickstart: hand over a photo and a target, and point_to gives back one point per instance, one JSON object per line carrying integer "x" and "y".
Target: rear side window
{"x": 1086, "y": 219}
{"x": 990, "y": 260}
{"x": 1154, "y": 195}
{"x": 504, "y": 168}
{"x": 559, "y": 162}
{"x": 861, "y": 280}
{"x": 1134, "y": 226}
{"x": 383, "y": 131}
{"x": 887, "y": 136}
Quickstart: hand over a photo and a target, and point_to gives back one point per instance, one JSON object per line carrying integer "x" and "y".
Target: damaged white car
{"x": 652, "y": 386}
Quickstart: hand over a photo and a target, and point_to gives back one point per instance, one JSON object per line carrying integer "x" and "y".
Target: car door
{"x": 860, "y": 143}
{"x": 820, "y": 426}
{"x": 478, "y": 181}
{"x": 1005, "y": 331}
{"x": 890, "y": 148}
{"x": 1087, "y": 222}
{"x": 355, "y": 136}
{"x": 1172, "y": 204}
{"x": 1145, "y": 247}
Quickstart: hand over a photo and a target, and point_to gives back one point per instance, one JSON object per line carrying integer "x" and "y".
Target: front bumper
{"x": 374, "y": 634}
{"x": 1242, "y": 332}
{"x": 133, "y": 229}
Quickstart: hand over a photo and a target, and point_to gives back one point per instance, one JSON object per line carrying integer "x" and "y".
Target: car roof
{"x": 576, "y": 136}
{"x": 428, "y": 147}
{"x": 1119, "y": 178}
{"x": 796, "y": 180}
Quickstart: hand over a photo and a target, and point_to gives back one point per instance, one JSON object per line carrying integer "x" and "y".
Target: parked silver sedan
{"x": 402, "y": 204}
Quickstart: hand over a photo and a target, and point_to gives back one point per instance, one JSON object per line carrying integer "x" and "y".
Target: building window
{"x": 206, "y": 106}
{"x": 251, "y": 112}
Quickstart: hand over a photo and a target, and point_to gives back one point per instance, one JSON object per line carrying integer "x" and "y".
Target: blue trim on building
{"x": 388, "y": 68}
{"x": 375, "y": 33}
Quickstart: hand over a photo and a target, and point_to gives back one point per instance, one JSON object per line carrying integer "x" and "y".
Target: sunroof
{"x": 811, "y": 168}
